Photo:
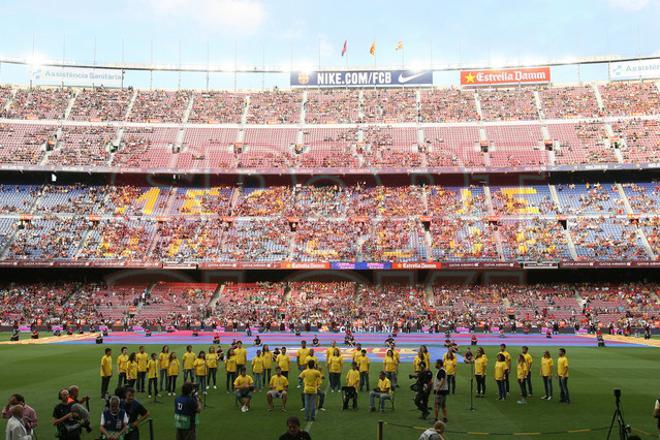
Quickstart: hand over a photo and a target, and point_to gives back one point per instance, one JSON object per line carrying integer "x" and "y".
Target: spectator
{"x": 29, "y": 416}
{"x": 293, "y": 431}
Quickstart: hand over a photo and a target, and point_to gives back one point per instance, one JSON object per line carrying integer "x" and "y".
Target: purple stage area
{"x": 373, "y": 342}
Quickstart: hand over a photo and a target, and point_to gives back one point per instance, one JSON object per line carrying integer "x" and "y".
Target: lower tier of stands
{"x": 328, "y": 305}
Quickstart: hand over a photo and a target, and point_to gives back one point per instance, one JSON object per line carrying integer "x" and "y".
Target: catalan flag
{"x": 372, "y": 49}
{"x": 399, "y": 46}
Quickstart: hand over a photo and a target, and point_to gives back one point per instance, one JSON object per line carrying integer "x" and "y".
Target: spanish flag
{"x": 399, "y": 46}
{"x": 372, "y": 49}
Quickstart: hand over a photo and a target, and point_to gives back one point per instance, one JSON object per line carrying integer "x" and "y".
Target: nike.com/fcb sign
{"x": 362, "y": 78}
{"x": 522, "y": 75}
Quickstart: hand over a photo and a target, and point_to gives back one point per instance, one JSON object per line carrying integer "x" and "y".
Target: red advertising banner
{"x": 521, "y": 75}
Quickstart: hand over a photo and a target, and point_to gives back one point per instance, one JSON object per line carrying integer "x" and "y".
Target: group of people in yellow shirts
{"x": 502, "y": 369}
{"x": 136, "y": 369}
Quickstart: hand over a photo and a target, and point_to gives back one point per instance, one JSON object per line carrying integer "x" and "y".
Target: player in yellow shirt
{"x": 142, "y": 359}
{"x": 201, "y": 371}
{"x": 480, "y": 367}
{"x": 500, "y": 376}
{"x": 427, "y": 356}
{"x": 310, "y": 378}
{"x": 521, "y": 373}
{"x": 507, "y": 359}
{"x": 311, "y": 357}
{"x": 106, "y": 371}
{"x": 283, "y": 362}
{"x": 363, "y": 362}
{"x": 397, "y": 357}
{"x": 562, "y": 372}
{"x": 152, "y": 375}
{"x": 279, "y": 387}
{"x": 330, "y": 351}
{"x": 335, "y": 363}
{"x": 450, "y": 368}
{"x": 546, "y": 373}
{"x": 231, "y": 368}
{"x": 390, "y": 365}
{"x": 301, "y": 357}
{"x": 172, "y": 373}
{"x": 352, "y": 383}
{"x": 122, "y": 365}
{"x": 267, "y": 357}
{"x": 243, "y": 387}
{"x": 131, "y": 370}
{"x": 241, "y": 355}
{"x": 530, "y": 361}
{"x": 418, "y": 360}
{"x": 357, "y": 352}
{"x": 382, "y": 392}
{"x": 163, "y": 363}
{"x": 258, "y": 371}
{"x": 188, "y": 363}
{"x": 212, "y": 366}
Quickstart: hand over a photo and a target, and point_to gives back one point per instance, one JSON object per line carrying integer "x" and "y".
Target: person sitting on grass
{"x": 243, "y": 387}
{"x": 382, "y": 392}
{"x": 279, "y": 386}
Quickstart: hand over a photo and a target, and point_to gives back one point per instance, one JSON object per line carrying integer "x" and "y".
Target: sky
{"x": 294, "y": 34}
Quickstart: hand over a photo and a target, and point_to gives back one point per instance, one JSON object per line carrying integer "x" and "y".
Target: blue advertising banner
{"x": 362, "y": 78}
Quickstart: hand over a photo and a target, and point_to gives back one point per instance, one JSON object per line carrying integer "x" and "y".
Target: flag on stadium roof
{"x": 372, "y": 49}
{"x": 344, "y": 48}
{"x": 399, "y": 46}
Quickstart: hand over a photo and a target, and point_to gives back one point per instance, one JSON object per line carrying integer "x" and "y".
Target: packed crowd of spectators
{"x": 159, "y": 106}
{"x": 331, "y": 305}
{"x": 569, "y": 102}
{"x": 38, "y": 103}
{"x": 101, "y": 104}
{"x": 508, "y": 105}
{"x": 217, "y": 108}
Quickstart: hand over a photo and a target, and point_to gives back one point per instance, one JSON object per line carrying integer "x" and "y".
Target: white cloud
{"x": 629, "y": 5}
{"x": 236, "y": 16}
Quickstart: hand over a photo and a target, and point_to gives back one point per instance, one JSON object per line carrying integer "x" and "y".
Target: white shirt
{"x": 431, "y": 434}
{"x": 16, "y": 431}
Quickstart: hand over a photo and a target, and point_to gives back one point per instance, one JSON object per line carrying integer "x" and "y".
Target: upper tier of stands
{"x": 614, "y": 124}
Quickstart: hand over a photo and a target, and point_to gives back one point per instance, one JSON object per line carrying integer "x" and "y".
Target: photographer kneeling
{"x": 422, "y": 388}
{"x": 186, "y": 408}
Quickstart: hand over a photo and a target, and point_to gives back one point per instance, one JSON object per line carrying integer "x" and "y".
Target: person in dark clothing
{"x": 293, "y": 431}
{"x": 136, "y": 415}
{"x": 66, "y": 421}
{"x": 422, "y": 388}
{"x": 186, "y": 407}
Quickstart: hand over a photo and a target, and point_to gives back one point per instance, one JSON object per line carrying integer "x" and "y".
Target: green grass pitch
{"x": 39, "y": 371}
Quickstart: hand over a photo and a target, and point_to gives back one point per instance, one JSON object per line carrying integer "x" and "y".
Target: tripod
{"x": 618, "y": 418}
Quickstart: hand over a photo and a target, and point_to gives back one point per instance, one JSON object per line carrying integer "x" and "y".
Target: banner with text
{"x": 362, "y": 78}
{"x": 642, "y": 69}
{"x": 522, "y": 75}
{"x": 76, "y": 76}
